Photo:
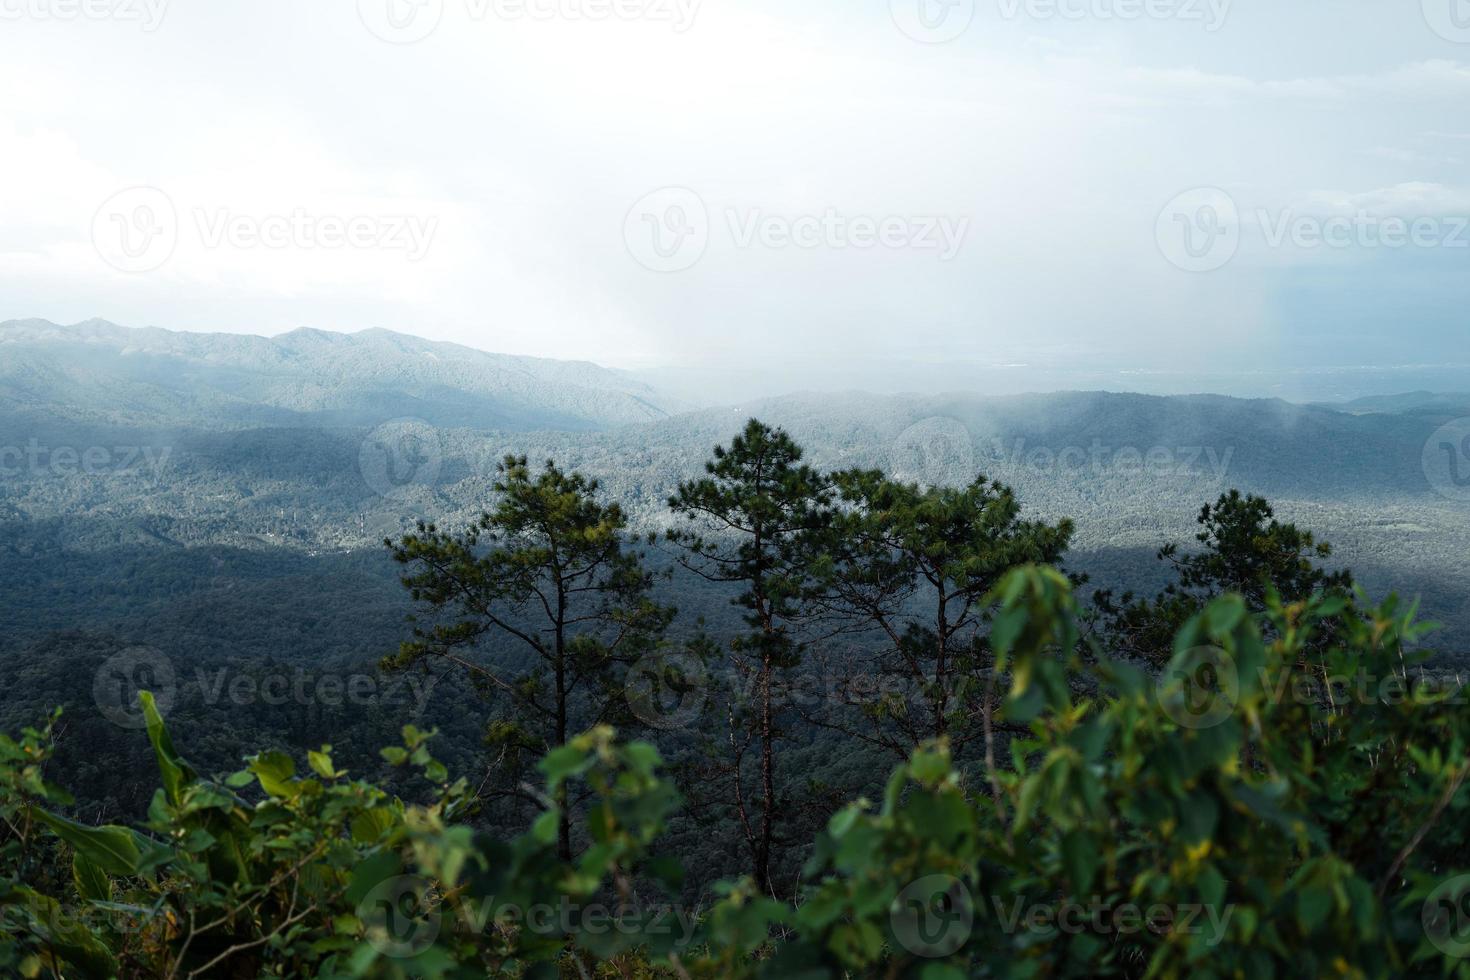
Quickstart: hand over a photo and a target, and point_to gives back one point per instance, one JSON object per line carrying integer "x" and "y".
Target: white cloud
{"x": 527, "y": 142}
{"x": 1410, "y": 200}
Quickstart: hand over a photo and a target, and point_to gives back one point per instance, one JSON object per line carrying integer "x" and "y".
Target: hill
{"x": 100, "y": 372}
{"x": 121, "y": 444}
{"x": 1131, "y": 470}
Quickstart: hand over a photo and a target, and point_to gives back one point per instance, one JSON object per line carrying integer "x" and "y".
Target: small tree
{"x": 755, "y": 521}
{"x": 547, "y": 572}
{"x": 908, "y": 567}
{"x": 1245, "y": 551}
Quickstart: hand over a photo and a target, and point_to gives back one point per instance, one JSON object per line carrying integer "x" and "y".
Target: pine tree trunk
{"x": 768, "y": 782}
{"x": 564, "y": 823}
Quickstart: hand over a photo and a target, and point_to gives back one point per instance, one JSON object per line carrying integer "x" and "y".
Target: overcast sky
{"x": 1160, "y": 185}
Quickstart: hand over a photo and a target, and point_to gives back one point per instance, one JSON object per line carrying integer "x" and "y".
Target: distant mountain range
{"x": 1413, "y": 402}
{"x": 288, "y": 444}
{"x": 103, "y": 372}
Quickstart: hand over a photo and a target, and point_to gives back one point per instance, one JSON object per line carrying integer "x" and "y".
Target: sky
{"x": 865, "y": 193}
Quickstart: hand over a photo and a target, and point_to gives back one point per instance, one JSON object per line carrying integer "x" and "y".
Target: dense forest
{"x": 812, "y": 720}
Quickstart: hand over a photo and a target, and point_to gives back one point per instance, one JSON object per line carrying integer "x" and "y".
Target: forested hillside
{"x": 1253, "y": 770}
{"x": 98, "y": 372}
{"x": 1131, "y": 470}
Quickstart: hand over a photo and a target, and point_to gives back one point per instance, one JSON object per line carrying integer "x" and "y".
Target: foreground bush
{"x": 1278, "y": 808}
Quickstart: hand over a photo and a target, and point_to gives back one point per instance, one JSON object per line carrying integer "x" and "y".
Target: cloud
{"x": 529, "y": 141}
{"x": 1409, "y": 200}
{"x": 1435, "y": 81}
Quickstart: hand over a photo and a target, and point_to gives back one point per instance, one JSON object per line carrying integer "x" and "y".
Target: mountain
{"x": 126, "y": 451}
{"x": 100, "y": 372}
{"x": 1419, "y": 402}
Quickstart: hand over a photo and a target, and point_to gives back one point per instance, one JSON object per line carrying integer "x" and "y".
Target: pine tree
{"x": 907, "y": 569}
{"x": 755, "y": 521}
{"x": 1244, "y": 550}
{"x": 548, "y": 572}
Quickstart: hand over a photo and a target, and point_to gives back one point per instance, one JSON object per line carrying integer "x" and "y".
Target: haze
{"x": 744, "y": 196}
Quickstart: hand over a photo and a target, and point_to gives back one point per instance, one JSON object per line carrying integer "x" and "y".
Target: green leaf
{"x": 843, "y": 820}
{"x": 1080, "y": 859}
{"x": 942, "y": 971}
{"x": 371, "y": 872}
{"x": 643, "y": 757}
{"x": 1211, "y": 885}
{"x": 369, "y": 825}
{"x": 68, "y": 939}
{"x": 546, "y": 826}
{"x": 91, "y": 881}
{"x": 1313, "y": 903}
{"x": 174, "y": 772}
{"x": 114, "y": 850}
{"x": 929, "y": 765}
{"x": 321, "y": 763}
{"x": 1199, "y": 815}
{"x": 856, "y": 943}
{"x": 565, "y": 761}
{"x": 275, "y": 771}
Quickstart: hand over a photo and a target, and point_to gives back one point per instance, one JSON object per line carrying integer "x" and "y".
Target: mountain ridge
{"x": 307, "y": 376}
{"x": 260, "y": 443}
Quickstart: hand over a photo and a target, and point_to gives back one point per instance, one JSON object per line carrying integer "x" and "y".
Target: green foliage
{"x": 910, "y": 566}
{"x": 1281, "y": 836}
{"x": 313, "y": 874}
{"x": 547, "y": 569}
{"x": 754, "y": 521}
{"x": 1244, "y": 550}
{"x": 1198, "y": 824}
{"x": 757, "y": 521}
{"x": 1286, "y": 796}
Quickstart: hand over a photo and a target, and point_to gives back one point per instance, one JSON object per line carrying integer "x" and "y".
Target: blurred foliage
{"x": 1199, "y": 823}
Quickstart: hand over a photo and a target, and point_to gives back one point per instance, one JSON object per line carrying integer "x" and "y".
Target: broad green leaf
{"x": 174, "y": 772}
{"x": 91, "y": 881}
{"x": 68, "y": 939}
{"x": 321, "y": 763}
{"x": 1080, "y": 858}
{"x": 114, "y": 850}
{"x": 275, "y": 771}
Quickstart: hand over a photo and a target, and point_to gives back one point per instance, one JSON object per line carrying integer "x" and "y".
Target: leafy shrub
{"x": 1270, "y": 806}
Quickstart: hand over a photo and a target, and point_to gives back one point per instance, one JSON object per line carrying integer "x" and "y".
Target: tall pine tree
{"x": 906, "y": 571}
{"x": 755, "y": 521}
{"x": 548, "y": 573}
